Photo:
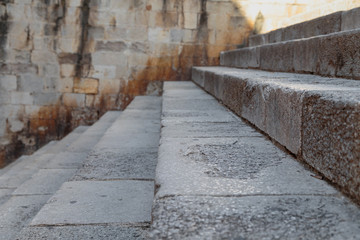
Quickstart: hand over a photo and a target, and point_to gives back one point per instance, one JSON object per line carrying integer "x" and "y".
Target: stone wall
{"x": 65, "y": 62}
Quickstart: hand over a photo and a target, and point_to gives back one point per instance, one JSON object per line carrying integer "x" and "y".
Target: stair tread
{"x": 120, "y": 168}
{"x": 315, "y": 118}
{"x": 216, "y": 185}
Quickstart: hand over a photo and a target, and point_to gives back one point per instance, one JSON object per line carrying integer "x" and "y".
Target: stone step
{"x": 111, "y": 195}
{"x": 23, "y": 168}
{"x": 335, "y": 55}
{"x": 315, "y": 118}
{"x": 218, "y": 178}
{"x": 30, "y": 183}
{"x": 332, "y": 23}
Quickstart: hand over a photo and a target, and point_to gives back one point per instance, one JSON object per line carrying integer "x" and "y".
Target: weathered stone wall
{"x": 66, "y": 62}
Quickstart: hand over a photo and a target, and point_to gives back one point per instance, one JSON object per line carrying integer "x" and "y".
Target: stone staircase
{"x": 316, "y": 118}
{"x": 184, "y": 166}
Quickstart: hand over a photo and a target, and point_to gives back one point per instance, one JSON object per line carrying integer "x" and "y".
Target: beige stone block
{"x": 43, "y": 57}
{"x": 190, "y": 20}
{"x": 109, "y": 86}
{"x": 138, "y": 33}
{"x": 74, "y": 99}
{"x": 67, "y": 70}
{"x": 109, "y": 58}
{"x": 65, "y": 85}
{"x": 68, "y": 44}
{"x": 158, "y": 35}
{"x": 86, "y": 85}
{"x": 103, "y": 71}
{"x": 138, "y": 59}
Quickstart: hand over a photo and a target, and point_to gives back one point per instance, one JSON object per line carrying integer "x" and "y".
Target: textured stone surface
{"x": 126, "y": 164}
{"x": 350, "y": 19}
{"x": 255, "y": 217}
{"x": 97, "y": 202}
{"x": 316, "y": 118}
{"x": 230, "y": 166}
{"x": 331, "y": 141}
{"x": 223, "y": 186}
{"x": 106, "y": 232}
{"x": 338, "y": 56}
{"x": 46, "y": 181}
{"x": 17, "y": 212}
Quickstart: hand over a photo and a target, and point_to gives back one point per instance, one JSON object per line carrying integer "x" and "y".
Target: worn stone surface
{"x": 46, "y": 181}
{"x": 338, "y": 56}
{"x": 350, "y": 19}
{"x": 233, "y": 187}
{"x": 97, "y": 202}
{"x": 126, "y": 164}
{"x": 230, "y": 166}
{"x": 66, "y": 160}
{"x": 331, "y": 140}
{"x": 255, "y": 217}
{"x": 17, "y": 212}
{"x": 282, "y": 105}
{"x": 106, "y": 232}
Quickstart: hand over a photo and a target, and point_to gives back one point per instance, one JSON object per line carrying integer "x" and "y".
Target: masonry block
{"x": 350, "y": 19}
{"x": 86, "y": 85}
{"x": 8, "y": 82}
{"x": 331, "y": 140}
{"x": 74, "y": 100}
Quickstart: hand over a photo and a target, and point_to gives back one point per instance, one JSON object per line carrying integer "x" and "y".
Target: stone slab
{"x": 231, "y": 166}
{"x": 146, "y": 103}
{"x": 184, "y": 116}
{"x": 283, "y": 105}
{"x": 105, "y": 232}
{"x": 45, "y": 181}
{"x": 140, "y": 140}
{"x": 255, "y": 217}
{"x": 334, "y": 55}
{"x": 66, "y": 160}
{"x": 127, "y": 164}
{"x": 207, "y": 130}
{"x": 5, "y": 195}
{"x": 17, "y": 212}
{"x": 97, "y": 202}
{"x": 68, "y": 140}
{"x": 319, "y": 26}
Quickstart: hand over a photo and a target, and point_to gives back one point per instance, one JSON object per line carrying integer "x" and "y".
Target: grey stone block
{"x": 17, "y": 212}
{"x": 259, "y": 39}
{"x": 242, "y": 58}
{"x": 97, "y": 202}
{"x": 124, "y": 164}
{"x": 231, "y": 166}
{"x": 350, "y": 19}
{"x": 66, "y": 160}
{"x": 340, "y": 55}
{"x": 146, "y": 103}
{"x": 207, "y": 129}
{"x": 319, "y": 26}
{"x": 331, "y": 141}
{"x": 45, "y": 181}
{"x": 278, "y": 57}
{"x": 255, "y": 217}
{"x": 106, "y": 232}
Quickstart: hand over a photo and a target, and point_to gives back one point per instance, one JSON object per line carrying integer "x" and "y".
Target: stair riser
{"x": 335, "y": 55}
{"x": 310, "y": 124}
{"x": 336, "y": 22}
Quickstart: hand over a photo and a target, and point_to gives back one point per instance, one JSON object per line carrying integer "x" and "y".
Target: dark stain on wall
{"x": 4, "y": 28}
{"x": 83, "y": 60}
